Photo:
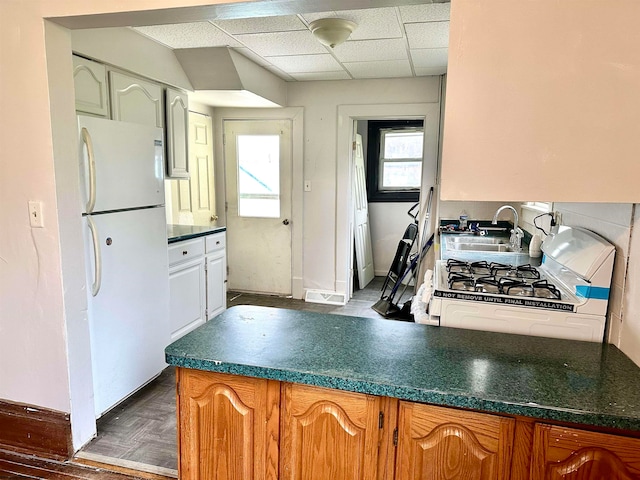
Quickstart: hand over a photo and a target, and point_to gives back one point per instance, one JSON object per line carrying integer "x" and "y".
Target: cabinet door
{"x": 228, "y": 426}
{"x": 135, "y": 100}
{"x": 442, "y": 443}
{"x": 177, "y": 134}
{"x": 569, "y": 454}
{"x": 329, "y": 434}
{"x": 216, "y": 284}
{"x": 186, "y": 297}
{"x": 90, "y": 82}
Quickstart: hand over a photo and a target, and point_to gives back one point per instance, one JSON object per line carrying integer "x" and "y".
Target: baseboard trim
{"x": 35, "y": 430}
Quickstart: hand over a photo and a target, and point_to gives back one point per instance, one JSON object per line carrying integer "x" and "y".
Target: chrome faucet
{"x": 516, "y": 233}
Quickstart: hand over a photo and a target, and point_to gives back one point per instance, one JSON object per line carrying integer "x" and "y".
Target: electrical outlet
{"x": 557, "y": 218}
{"x": 35, "y": 214}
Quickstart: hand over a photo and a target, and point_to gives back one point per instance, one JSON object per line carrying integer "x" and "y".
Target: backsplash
{"x": 614, "y": 222}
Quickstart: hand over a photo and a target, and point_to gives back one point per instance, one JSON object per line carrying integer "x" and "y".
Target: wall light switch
{"x": 307, "y": 185}
{"x": 35, "y": 214}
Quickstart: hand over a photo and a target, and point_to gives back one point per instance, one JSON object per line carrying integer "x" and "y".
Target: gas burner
{"x": 524, "y": 272}
{"x": 480, "y": 269}
{"x": 458, "y": 281}
{"x": 487, "y": 285}
{"x": 538, "y": 289}
{"x": 457, "y": 266}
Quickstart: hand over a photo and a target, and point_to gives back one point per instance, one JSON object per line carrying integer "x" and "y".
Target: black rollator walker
{"x": 404, "y": 265}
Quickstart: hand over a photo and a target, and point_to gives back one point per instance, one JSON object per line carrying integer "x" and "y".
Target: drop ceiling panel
{"x": 429, "y": 57}
{"x": 388, "y": 69}
{"x": 428, "y": 35}
{"x": 306, "y": 63}
{"x": 372, "y": 23}
{"x": 433, "y": 12}
{"x": 282, "y": 43}
{"x": 306, "y": 76}
{"x": 261, "y": 24}
{"x": 426, "y": 71}
{"x": 371, "y": 50}
{"x": 189, "y": 35}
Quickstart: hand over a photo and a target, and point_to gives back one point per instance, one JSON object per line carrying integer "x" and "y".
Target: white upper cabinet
{"x": 135, "y": 100}
{"x": 90, "y": 81}
{"x": 177, "y": 107}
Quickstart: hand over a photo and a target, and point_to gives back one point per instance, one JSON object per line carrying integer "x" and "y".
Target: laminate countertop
{"x": 178, "y": 233}
{"x": 544, "y": 378}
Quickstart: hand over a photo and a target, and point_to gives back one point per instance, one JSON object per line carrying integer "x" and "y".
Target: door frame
{"x": 347, "y": 115}
{"x": 296, "y": 116}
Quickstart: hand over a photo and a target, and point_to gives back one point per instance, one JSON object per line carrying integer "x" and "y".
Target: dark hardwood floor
{"x": 14, "y": 466}
{"x": 140, "y": 433}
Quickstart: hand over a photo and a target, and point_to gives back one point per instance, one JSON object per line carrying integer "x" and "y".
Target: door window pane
{"x": 258, "y": 176}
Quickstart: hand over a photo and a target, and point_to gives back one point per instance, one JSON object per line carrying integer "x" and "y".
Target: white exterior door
{"x": 362, "y": 232}
{"x": 258, "y": 196}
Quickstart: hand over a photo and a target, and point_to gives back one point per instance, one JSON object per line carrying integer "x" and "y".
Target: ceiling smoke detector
{"x": 332, "y": 31}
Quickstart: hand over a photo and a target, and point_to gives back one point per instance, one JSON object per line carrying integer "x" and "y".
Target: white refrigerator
{"x": 122, "y": 184}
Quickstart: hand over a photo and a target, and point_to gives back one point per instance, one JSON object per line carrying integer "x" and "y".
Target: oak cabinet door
{"x": 228, "y": 426}
{"x": 569, "y": 454}
{"x": 439, "y": 443}
{"x": 328, "y": 434}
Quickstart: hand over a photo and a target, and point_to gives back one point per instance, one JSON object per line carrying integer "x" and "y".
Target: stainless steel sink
{"x": 471, "y": 243}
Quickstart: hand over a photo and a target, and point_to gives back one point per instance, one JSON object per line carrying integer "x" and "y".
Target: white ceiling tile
{"x": 373, "y": 23}
{"x": 254, "y": 57}
{"x": 428, "y": 35}
{"x": 308, "y": 76}
{"x": 306, "y": 63}
{"x": 189, "y": 35}
{"x": 430, "y": 57}
{"x": 388, "y": 69}
{"x": 310, "y": 17}
{"x": 261, "y": 24}
{"x": 282, "y": 43}
{"x": 371, "y": 50}
{"x": 432, "y": 12}
{"x": 426, "y": 71}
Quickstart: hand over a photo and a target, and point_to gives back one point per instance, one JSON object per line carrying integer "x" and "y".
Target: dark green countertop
{"x": 178, "y": 233}
{"x": 562, "y": 380}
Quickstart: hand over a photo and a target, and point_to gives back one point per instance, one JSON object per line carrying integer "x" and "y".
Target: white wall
{"x": 320, "y": 101}
{"x": 614, "y": 222}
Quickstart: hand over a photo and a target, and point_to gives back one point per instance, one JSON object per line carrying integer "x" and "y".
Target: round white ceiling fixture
{"x": 332, "y": 31}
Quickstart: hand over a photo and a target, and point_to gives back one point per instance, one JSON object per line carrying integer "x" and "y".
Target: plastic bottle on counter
{"x": 534, "y": 246}
{"x": 463, "y": 220}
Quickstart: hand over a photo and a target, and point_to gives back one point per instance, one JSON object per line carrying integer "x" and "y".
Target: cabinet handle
{"x": 184, "y": 252}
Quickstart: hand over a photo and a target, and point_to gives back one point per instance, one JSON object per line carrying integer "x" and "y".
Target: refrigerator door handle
{"x": 97, "y": 257}
{"x": 86, "y": 138}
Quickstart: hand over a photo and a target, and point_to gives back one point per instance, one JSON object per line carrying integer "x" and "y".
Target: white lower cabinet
{"x": 197, "y": 282}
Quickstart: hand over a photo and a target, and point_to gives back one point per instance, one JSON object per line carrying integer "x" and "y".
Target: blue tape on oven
{"x": 587, "y": 291}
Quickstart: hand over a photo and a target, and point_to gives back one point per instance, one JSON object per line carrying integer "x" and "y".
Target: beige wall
{"x": 542, "y": 100}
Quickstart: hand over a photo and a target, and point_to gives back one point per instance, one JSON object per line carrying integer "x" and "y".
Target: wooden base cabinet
{"x": 232, "y": 427}
{"x": 439, "y": 443}
{"x": 228, "y": 426}
{"x": 328, "y": 434}
{"x": 569, "y": 454}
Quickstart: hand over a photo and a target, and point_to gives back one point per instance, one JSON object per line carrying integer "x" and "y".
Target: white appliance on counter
{"x": 122, "y": 182}
{"x": 565, "y": 297}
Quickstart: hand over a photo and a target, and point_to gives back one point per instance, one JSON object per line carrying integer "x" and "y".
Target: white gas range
{"x": 565, "y": 297}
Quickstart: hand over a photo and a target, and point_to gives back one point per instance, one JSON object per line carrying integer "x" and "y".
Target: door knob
{"x": 214, "y": 218}
{"x": 285, "y": 221}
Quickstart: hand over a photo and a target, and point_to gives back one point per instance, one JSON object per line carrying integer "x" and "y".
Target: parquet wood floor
{"x": 142, "y": 429}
